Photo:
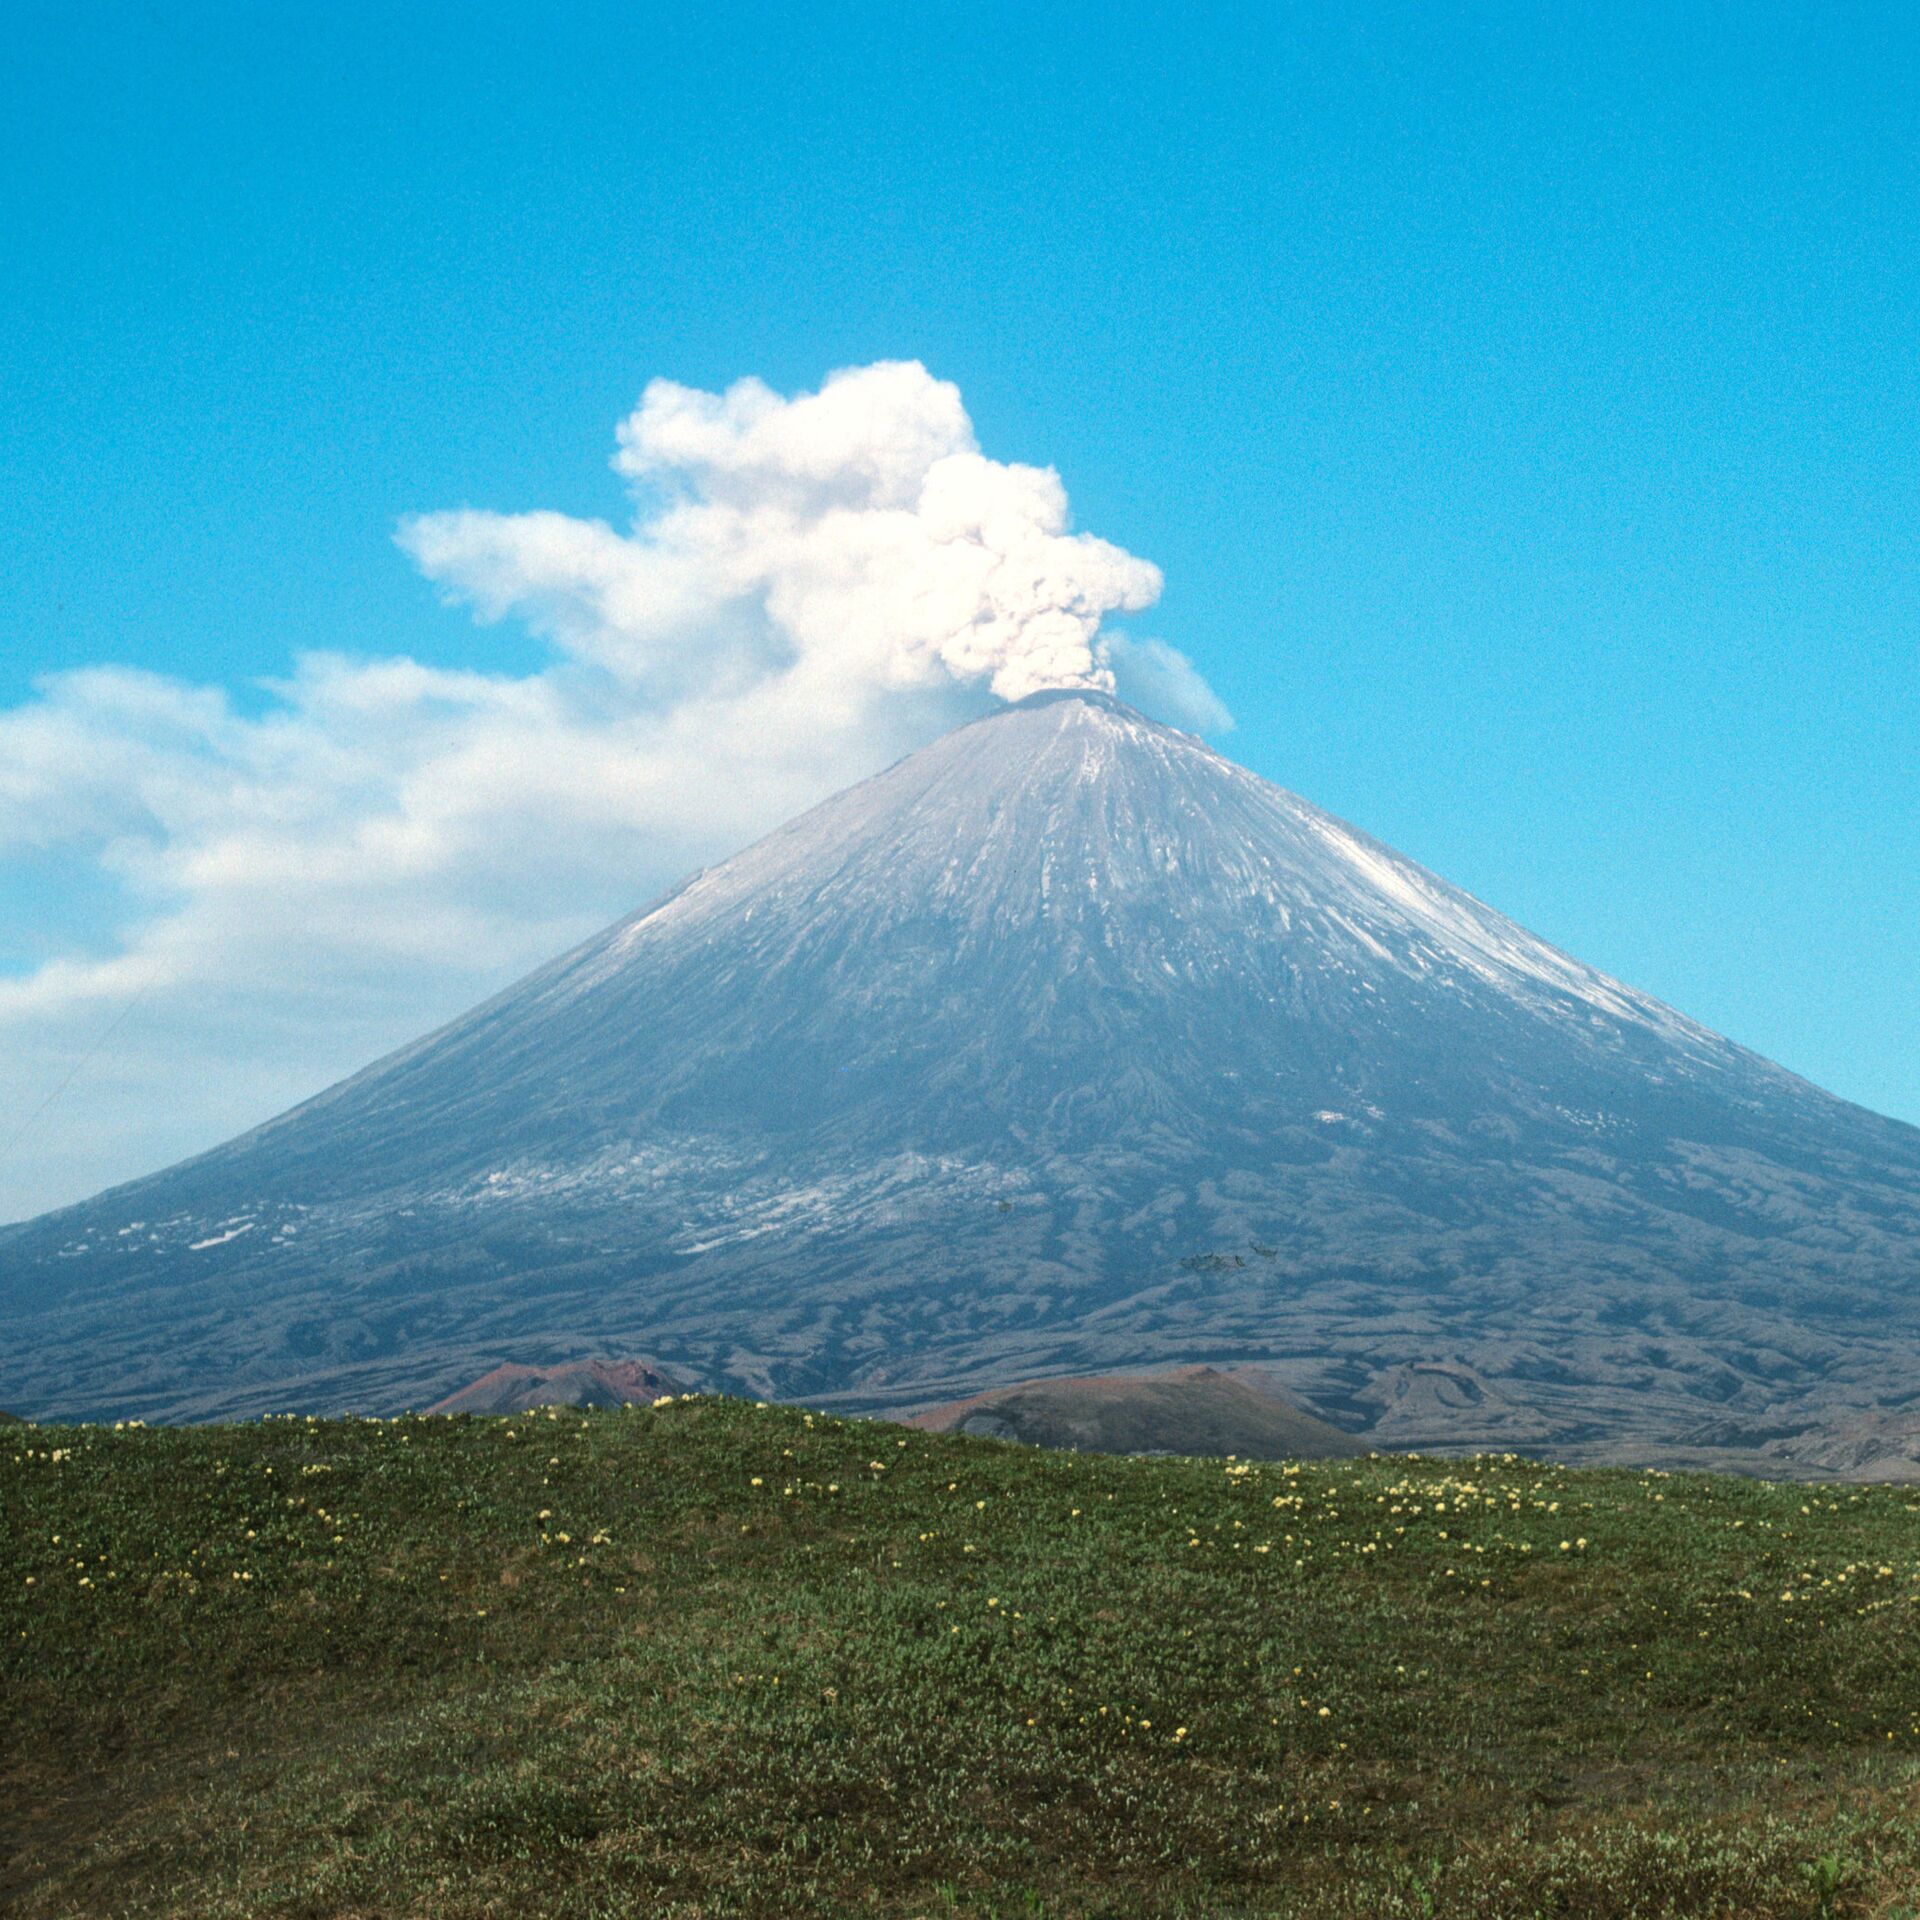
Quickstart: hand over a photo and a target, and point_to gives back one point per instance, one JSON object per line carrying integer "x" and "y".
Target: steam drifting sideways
{"x": 854, "y": 534}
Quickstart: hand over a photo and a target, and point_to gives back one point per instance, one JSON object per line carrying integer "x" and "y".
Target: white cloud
{"x": 855, "y": 537}
{"x": 809, "y": 588}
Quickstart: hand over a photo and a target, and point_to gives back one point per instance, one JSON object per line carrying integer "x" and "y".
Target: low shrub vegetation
{"x": 710, "y": 1658}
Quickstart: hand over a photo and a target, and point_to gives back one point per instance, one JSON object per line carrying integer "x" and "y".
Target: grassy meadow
{"x": 709, "y": 1658}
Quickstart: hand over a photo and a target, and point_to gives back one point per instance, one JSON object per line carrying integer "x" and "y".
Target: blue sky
{"x": 1521, "y": 408}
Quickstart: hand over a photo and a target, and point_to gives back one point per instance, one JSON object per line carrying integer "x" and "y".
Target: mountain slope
{"x": 572, "y": 1383}
{"x": 1063, "y": 1045}
{"x": 1190, "y": 1410}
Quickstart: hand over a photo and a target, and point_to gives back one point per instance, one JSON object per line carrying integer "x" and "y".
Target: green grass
{"x": 715, "y": 1659}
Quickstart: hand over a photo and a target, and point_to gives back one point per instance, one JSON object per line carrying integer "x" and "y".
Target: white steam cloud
{"x": 218, "y": 907}
{"x": 852, "y": 536}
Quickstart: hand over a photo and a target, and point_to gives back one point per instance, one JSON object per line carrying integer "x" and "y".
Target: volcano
{"x": 1064, "y": 1046}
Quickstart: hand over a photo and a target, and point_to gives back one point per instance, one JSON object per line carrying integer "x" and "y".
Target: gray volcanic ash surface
{"x": 1064, "y": 1045}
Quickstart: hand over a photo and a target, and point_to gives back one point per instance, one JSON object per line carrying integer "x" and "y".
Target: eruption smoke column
{"x": 856, "y": 534}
